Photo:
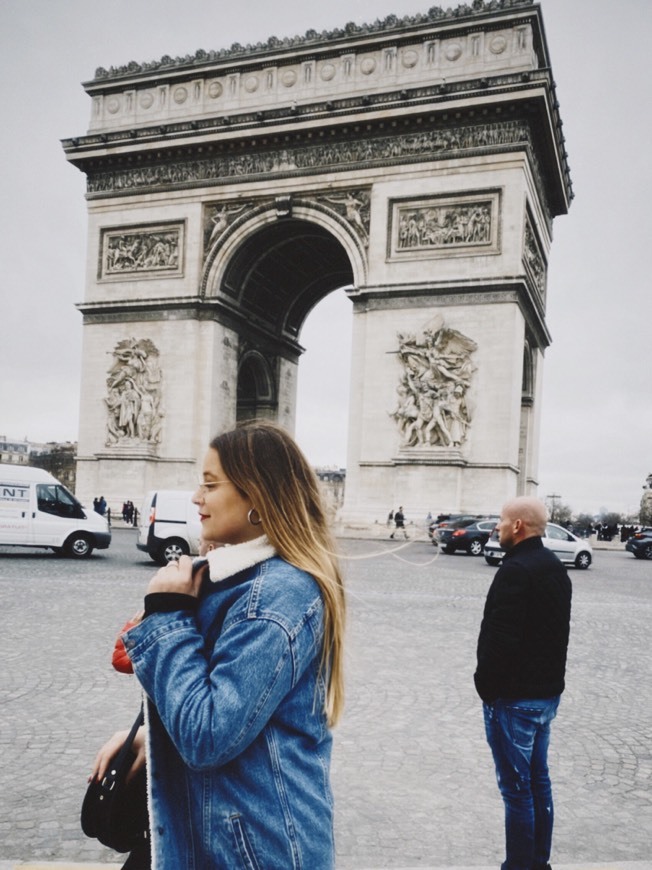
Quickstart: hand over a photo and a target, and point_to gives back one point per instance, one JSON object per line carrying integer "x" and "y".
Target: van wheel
{"x": 172, "y": 550}
{"x": 78, "y": 546}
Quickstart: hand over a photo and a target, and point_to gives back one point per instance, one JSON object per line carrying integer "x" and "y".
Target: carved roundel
{"x": 289, "y": 78}
{"x": 113, "y": 105}
{"x": 328, "y": 72}
{"x": 180, "y": 95}
{"x": 498, "y": 45}
{"x": 453, "y": 51}
{"x": 410, "y": 59}
{"x": 251, "y": 85}
{"x": 368, "y": 65}
{"x": 146, "y": 100}
{"x": 215, "y": 90}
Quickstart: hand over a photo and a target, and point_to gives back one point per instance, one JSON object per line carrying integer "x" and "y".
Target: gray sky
{"x": 597, "y": 401}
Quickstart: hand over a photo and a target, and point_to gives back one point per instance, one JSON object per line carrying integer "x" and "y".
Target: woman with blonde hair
{"x": 241, "y": 664}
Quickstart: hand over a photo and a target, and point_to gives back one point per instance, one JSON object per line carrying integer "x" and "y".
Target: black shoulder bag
{"x": 114, "y": 811}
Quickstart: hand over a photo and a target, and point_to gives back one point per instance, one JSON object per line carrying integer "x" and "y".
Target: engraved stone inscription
{"x": 433, "y": 408}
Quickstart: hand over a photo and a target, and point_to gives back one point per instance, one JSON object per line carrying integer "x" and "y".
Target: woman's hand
{"x": 176, "y": 577}
{"x": 111, "y": 749}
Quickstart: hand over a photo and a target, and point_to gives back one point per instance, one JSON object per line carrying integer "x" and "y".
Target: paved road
{"x": 413, "y": 779}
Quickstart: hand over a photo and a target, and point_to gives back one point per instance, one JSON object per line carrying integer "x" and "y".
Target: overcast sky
{"x": 596, "y": 447}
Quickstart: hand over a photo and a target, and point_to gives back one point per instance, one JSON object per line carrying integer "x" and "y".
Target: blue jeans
{"x": 518, "y": 732}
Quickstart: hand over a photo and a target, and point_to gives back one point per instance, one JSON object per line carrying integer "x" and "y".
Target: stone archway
{"x": 419, "y": 162}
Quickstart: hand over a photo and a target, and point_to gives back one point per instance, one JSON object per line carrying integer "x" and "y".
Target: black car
{"x": 443, "y": 521}
{"x": 469, "y": 535}
{"x": 640, "y": 544}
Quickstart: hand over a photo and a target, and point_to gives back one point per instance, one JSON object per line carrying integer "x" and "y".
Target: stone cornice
{"x": 464, "y": 14}
{"x": 504, "y": 290}
{"x": 254, "y": 123}
{"x": 190, "y": 308}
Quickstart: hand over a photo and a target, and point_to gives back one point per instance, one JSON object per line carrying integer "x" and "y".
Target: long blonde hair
{"x": 265, "y": 463}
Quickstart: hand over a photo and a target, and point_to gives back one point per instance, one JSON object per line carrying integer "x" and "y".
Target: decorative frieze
{"x": 425, "y": 145}
{"x": 441, "y": 226}
{"x": 146, "y": 251}
{"x": 133, "y": 402}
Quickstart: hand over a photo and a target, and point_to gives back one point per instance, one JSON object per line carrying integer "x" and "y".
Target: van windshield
{"x": 52, "y": 498}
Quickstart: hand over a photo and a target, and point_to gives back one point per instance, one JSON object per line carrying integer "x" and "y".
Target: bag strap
{"x": 108, "y": 783}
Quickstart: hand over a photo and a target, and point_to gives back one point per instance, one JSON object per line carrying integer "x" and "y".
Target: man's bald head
{"x": 521, "y": 518}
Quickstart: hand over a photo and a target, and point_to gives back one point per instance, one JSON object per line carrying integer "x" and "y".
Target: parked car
{"x": 469, "y": 535}
{"x": 640, "y": 544}
{"x": 567, "y": 546}
{"x": 443, "y": 521}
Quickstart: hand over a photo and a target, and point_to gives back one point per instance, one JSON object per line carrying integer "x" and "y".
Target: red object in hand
{"x": 120, "y": 659}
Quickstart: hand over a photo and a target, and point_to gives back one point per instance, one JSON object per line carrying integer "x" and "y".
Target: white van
{"x": 169, "y": 525}
{"x": 36, "y": 510}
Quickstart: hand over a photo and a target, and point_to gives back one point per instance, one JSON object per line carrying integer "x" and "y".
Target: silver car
{"x": 570, "y": 549}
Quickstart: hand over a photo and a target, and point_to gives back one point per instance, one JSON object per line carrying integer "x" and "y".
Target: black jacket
{"x": 524, "y": 633}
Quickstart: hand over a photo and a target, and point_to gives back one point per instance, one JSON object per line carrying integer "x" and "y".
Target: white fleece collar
{"x": 226, "y": 561}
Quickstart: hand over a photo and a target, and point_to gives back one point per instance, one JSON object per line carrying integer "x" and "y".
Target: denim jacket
{"x": 238, "y": 744}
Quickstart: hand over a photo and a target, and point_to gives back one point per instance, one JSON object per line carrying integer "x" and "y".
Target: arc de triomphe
{"x": 417, "y": 162}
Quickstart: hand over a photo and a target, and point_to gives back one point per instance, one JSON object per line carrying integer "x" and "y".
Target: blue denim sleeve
{"x": 212, "y": 708}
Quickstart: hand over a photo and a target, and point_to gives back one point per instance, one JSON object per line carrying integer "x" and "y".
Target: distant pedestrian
{"x": 399, "y": 523}
{"x": 520, "y": 677}
{"x": 390, "y": 518}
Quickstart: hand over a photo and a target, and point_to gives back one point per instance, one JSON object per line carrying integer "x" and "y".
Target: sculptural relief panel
{"x": 443, "y": 226}
{"x": 434, "y": 407}
{"x": 133, "y": 401}
{"x": 532, "y": 257}
{"x": 147, "y": 251}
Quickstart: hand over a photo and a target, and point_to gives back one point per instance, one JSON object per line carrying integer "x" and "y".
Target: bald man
{"x": 520, "y": 677}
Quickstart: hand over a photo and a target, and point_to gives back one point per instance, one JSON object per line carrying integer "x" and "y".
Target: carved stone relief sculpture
{"x": 141, "y": 251}
{"x": 428, "y": 145}
{"x": 219, "y": 218}
{"x": 441, "y": 226}
{"x": 444, "y": 226}
{"x": 134, "y": 394}
{"x": 433, "y": 406}
{"x": 533, "y": 260}
{"x": 354, "y": 206}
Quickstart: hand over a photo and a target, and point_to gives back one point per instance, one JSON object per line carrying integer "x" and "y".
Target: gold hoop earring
{"x": 254, "y": 511}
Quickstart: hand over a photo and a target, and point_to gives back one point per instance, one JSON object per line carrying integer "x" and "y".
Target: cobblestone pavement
{"x": 413, "y": 778}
